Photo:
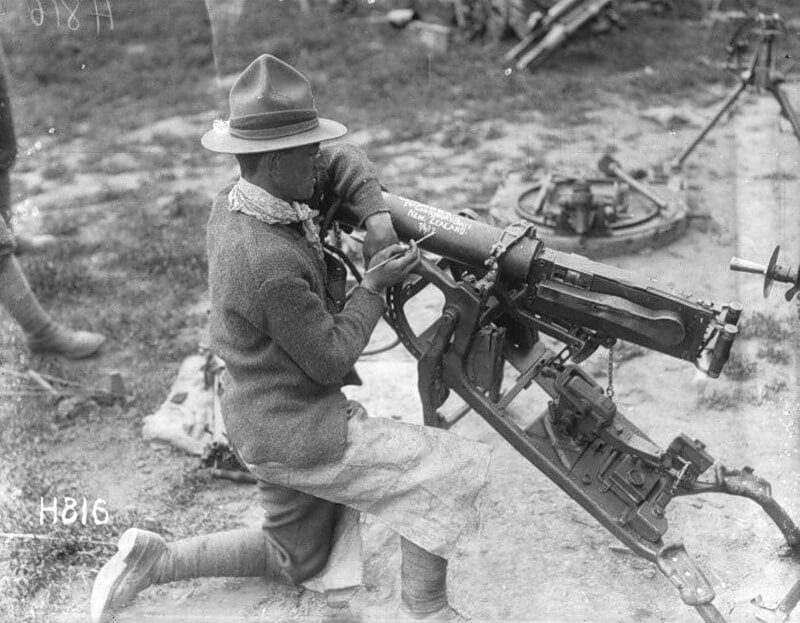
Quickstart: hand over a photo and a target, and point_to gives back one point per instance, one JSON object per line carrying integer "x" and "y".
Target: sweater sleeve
{"x": 326, "y": 346}
{"x": 354, "y": 179}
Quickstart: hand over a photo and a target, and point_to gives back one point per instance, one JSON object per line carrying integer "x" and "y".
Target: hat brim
{"x": 221, "y": 141}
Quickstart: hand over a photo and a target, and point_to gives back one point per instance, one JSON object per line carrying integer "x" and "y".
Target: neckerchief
{"x": 247, "y": 198}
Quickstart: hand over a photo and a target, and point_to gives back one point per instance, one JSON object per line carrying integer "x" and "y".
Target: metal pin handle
{"x": 746, "y": 266}
{"x": 394, "y": 257}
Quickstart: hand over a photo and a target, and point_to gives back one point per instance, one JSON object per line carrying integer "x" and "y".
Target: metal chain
{"x": 610, "y": 388}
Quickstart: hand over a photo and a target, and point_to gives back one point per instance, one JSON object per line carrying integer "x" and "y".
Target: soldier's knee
{"x": 310, "y": 562}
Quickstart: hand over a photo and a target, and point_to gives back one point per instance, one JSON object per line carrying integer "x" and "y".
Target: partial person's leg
{"x": 144, "y": 559}
{"x": 44, "y": 335}
{"x": 301, "y": 526}
{"x": 422, "y": 482}
{"x": 293, "y": 545}
{"x": 423, "y": 579}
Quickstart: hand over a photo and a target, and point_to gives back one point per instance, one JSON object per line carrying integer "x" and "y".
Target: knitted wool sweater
{"x": 277, "y": 325}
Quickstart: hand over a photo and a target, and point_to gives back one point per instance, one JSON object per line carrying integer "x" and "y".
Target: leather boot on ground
{"x": 132, "y": 569}
{"x": 59, "y": 340}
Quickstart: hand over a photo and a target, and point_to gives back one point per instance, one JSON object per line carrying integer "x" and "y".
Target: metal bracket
{"x": 510, "y": 236}
{"x": 683, "y": 572}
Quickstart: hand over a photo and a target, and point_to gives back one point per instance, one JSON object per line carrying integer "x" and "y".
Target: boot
{"x": 132, "y": 569}
{"x": 44, "y": 335}
{"x": 59, "y": 340}
{"x": 144, "y": 559}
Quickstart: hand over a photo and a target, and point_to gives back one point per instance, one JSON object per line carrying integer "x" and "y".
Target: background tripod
{"x": 761, "y": 73}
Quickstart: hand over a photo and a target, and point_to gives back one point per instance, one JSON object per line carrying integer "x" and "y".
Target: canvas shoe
{"x": 132, "y": 569}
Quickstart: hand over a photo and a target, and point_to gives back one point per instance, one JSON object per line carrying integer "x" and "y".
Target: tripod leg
{"x": 677, "y": 163}
{"x": 786, "y": 107}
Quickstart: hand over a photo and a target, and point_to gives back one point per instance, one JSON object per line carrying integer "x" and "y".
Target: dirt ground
{"x": 539, "y": 556}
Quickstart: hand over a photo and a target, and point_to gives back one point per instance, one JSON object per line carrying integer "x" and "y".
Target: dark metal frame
{"x": 581, "y": 442}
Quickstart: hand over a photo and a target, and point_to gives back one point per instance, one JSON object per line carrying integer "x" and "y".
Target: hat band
{"x": 275, "y": 124}
{"x": 278, "y": 132}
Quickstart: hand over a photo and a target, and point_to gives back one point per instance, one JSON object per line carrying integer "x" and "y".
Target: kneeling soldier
{"x": 290, "y": 342}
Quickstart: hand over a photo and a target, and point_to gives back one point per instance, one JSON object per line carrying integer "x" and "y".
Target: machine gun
{"x": 503, "y": 292}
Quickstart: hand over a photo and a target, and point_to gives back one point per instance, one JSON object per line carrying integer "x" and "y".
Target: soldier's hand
{"x": 391, "y": 265}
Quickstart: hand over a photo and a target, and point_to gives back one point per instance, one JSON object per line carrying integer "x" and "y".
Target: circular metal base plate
{"x": 642, "y": 226}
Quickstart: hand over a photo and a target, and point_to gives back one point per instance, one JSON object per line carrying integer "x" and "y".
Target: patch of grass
{"x": 774, "y": 354}
{"x": 764, "y": 326}
{"x": 718, "y": 401}
{"x": 174, "y": 143}
{"x": 88, "y": 68}
{"x": 740, "y": 367}
{"x": 63, "y": 551}
{"x": 776, "y": 386}
{"x": 63, "y": 227}
{"x": 62, "y": 275}
{"x": 58, "y": 171}
{"x": 169, "y": 245}
{"x": 108, "y": 193}
{"x": 152, "y": 332}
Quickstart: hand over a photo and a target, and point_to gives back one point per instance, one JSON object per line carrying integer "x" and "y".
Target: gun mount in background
{"x": 549, "y": 31}
{"x": 758, "y": 36}
{"x": 597, "y": 214}
{"x": 503, "y": 290}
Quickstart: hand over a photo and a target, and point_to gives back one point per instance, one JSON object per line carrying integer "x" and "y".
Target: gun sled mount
{"x": 502, "y": 288}
{"x": 597, "y": 215}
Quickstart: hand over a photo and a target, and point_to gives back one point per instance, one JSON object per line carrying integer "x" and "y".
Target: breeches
{"x": 422, "y": 482}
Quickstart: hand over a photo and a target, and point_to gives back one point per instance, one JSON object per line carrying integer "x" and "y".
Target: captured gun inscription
{"x": 502, "y": 289}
